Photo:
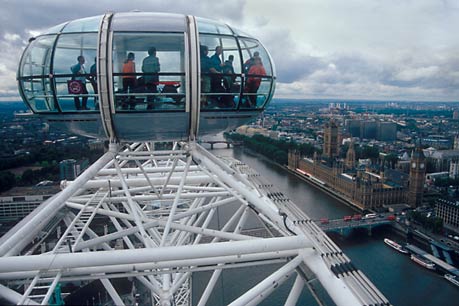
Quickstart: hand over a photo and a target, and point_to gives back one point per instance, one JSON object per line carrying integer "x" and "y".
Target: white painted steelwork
{"x": 160, "y": 217}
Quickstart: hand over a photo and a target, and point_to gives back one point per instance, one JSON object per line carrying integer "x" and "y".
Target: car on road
{"x": 369, "y": 216}
{"x": 391, "y": 218}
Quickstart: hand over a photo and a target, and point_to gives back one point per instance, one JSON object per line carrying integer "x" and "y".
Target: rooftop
{"x": 31, "y": 190}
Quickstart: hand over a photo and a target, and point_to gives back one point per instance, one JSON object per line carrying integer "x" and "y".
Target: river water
{"x": 402, "y": 281}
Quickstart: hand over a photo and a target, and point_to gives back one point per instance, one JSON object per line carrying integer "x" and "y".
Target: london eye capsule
{"x": 145, "y": 76}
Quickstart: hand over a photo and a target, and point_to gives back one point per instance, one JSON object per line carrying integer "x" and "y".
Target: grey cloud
{"x": 357, "y": 76}
{"x": 359, "y": 67}
{"x": 295, "y": 69}
{"x": 344, "y": 69}
{"x": 46, "y": 13}
{"x": 12, "y": 51}
{"x": 292, "y": 63}
{"x": 444, "y": 74}
{"x": 21, "y": 16}
{"x": 433, "y": 74}
{"x": 395, "y": 57}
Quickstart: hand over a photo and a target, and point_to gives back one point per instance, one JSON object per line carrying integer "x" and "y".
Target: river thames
{"x": 402, "y": 281}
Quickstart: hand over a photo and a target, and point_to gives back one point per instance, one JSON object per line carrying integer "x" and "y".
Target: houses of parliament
{"x": 364, "y": 187}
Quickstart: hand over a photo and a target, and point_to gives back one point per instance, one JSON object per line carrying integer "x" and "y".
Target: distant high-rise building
{"x": 331, "y": 139}
{"x": 369, "y": 129}
{"x": 381, "y": 130}
{"x": 387, "y": 131}
{"x": 352, "y": 127}
{"x": 67, "y": 169}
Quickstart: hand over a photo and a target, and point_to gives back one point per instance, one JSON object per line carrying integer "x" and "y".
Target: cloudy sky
{"x": 333, "y": 49}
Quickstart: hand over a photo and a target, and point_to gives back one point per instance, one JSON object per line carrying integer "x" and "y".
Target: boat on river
{"x": 423, "y": 262}
{"x": 452, "y": 278}
{"x": 395, "y": 245}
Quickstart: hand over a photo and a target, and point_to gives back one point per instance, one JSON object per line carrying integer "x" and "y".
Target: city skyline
{"x": 322, "y": 49}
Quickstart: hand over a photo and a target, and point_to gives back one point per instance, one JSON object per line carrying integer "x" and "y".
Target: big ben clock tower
{"x": 417, "y": 177}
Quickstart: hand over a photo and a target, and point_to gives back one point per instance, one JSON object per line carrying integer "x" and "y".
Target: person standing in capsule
{"x": 128, "y": 73}
{"x": 129, "y": 78}
{"x": 255, "y": 74}
{"x": 151, "y": 67}
{"x": 79, "y": 74}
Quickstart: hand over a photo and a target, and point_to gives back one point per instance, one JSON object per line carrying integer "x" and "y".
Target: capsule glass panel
{"x": 240, "y": 33}
{"x": 35, "y": 73}
{"x": 149, "y": 72}
{"x": 220, "y": 72}
{"x": 258, "y": 74}
{"x": 147, "y": 21}
{"x": 251, "y": 48}
{"x": 74, "y": 65}
{"x": 55, "y": 29}
{"x": 212, "y": 27}
{"x": 90, "y": 24}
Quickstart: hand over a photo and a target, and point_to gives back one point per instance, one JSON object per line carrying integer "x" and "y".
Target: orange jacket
{"x": 129, "y": 67}
{"x": 256, "y": 70}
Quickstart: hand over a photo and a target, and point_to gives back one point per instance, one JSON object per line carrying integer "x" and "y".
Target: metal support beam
{"x": 103, "y": 258}
{"x": 295, "y": 292}
{"x": 203, "y": 264}
{"x": 13, "y": 297}
{"x": 256, "y": 293}
{"x": 112, "y": 292}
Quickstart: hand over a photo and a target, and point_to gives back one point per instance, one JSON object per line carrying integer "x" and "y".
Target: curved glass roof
{"x": 90, "y": 24}
{"x": 144, "y": 21}
{"x": 212, "y": 27}
{"x": 55, "y": 29}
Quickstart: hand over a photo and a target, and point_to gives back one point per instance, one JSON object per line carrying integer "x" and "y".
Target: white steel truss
{"x": 155, "y": 216}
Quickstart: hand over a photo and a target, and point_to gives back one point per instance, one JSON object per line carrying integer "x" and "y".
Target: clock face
{"x": 421, "y": 166}
{"x": 413, "y": 165}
